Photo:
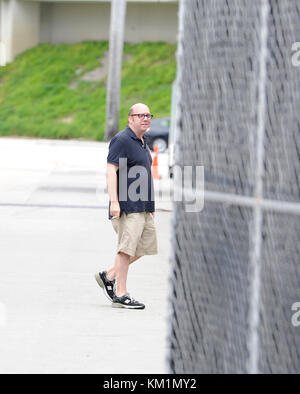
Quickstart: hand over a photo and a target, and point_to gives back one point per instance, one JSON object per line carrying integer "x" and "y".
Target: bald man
{"x": 131, "y": 206}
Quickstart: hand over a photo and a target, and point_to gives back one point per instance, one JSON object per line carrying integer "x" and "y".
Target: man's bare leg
{"x": 122, "y": 266}
{"x": 111, "y": 273}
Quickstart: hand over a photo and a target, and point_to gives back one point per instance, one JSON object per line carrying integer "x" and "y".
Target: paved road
{"x": 54, "y": 234}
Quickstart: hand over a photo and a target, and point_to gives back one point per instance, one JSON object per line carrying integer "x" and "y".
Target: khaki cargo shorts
{"x": 136, "y": 233}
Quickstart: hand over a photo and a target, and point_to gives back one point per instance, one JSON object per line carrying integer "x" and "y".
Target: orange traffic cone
{"x": 154, "y": 167}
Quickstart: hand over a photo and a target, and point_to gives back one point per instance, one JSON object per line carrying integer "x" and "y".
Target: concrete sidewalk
{"x": 54, "y": 234}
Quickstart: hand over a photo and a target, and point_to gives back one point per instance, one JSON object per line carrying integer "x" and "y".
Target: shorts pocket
{"x": 115, "y": 224}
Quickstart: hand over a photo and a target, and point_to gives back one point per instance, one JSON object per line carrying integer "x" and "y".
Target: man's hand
{"x": 112, "y": 182}
{"x": 115, "y": 209}
{"x": 153, "y": 214}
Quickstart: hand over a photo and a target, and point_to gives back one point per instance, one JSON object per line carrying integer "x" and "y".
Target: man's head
{"x": 139, "y": 118}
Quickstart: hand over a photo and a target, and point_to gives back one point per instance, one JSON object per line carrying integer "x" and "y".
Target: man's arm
{"x": 112, "y": 188}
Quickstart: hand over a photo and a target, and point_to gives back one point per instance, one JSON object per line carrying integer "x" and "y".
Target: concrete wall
{"x": 70, "y": 23}
{"x": 75, "y": 22}
{"x": 151, "y": 22}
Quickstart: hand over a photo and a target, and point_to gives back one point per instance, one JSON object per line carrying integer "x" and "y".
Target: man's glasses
{"x": 142, "y": 116}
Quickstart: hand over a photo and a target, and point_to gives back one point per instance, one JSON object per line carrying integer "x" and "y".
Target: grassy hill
{"x": 50, "y": 92}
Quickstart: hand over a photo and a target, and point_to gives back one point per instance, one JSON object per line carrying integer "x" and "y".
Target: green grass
{"x": 35, "y": 93}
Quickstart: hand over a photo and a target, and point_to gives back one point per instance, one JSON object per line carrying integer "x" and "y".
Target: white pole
{"x": 116, "y": 41}
{"x": 255, "y": 258}
{"x": 2, "y": 44}
{"x": 2, "y": 54}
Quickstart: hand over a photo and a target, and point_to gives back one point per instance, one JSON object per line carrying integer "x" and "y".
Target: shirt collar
{"x": 133, "y": 135}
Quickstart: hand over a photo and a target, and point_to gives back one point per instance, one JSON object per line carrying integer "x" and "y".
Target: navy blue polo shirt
{"x": 135, "y": 183}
